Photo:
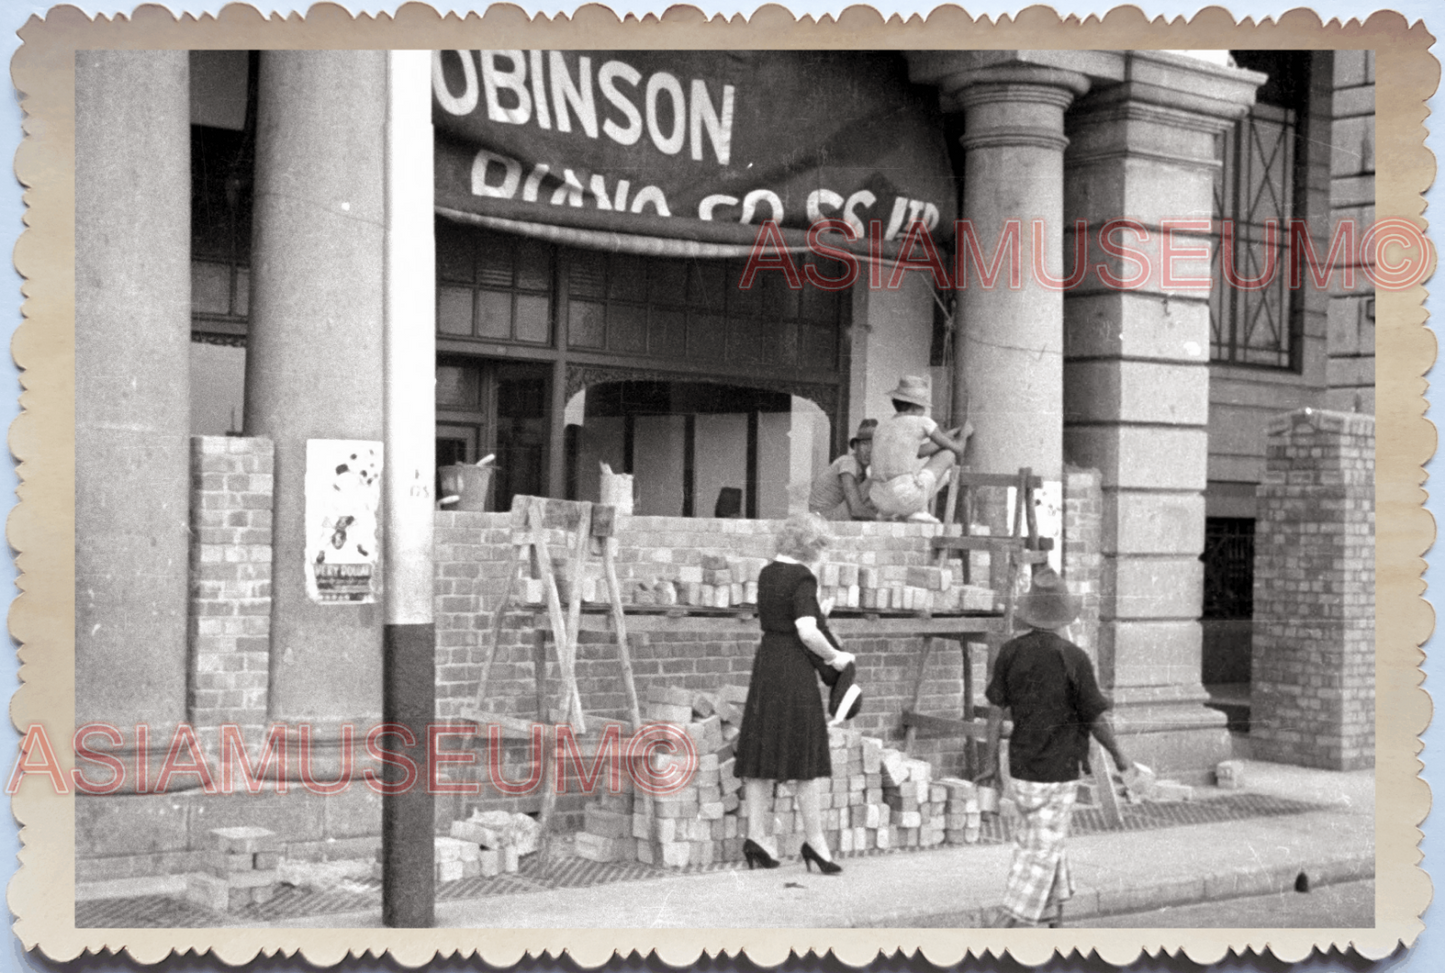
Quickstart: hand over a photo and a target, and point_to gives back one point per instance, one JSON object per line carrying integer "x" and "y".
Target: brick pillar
{"x": 230, "y": 629}
{"x": 1312, "y": 700}
{"x": 1136, "y": 385}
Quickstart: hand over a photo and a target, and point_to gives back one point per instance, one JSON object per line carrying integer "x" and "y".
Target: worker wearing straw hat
{"x": 911, "y": 454}
{"x": 1047, "y": 684}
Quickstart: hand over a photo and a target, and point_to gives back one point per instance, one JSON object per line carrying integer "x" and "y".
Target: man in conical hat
{"x": 1047, "y": 685}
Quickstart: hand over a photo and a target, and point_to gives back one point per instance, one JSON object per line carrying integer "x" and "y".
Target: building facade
{"x": 567, "y": 322}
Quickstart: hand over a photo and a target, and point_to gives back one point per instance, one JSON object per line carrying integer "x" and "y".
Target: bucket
{"x": 988, "y": 800}
{"x": 470, "y": 484}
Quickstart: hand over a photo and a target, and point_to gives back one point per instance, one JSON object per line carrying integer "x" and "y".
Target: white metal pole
{"x": 409, "y": 424}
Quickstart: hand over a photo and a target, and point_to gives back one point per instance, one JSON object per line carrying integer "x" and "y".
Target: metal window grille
{"x": 1228, "y": 568}
{"x": 1255, "y": 187}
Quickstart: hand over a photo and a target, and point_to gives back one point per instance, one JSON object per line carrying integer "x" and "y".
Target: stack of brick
{"x": 962, "y": 816}
{"x": 919, "y": 806}
{"x": 484, "y": 845}
{"x": 875, "y": 799}
{"x": 606, "y": 835}
{"x": 724, "y": 581}
{"x": 241, "y": 869}
{"x": 902, "y": 588}
{"x": 720, "y": 581}
{"x": 697, "y": 824}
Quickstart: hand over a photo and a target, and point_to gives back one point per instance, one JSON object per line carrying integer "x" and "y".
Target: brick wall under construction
{"x": 474, "y": 557}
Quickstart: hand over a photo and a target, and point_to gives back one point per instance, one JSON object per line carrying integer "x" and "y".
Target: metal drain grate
{"x": 159, "y": 912}
{"x": 145, "y": 912}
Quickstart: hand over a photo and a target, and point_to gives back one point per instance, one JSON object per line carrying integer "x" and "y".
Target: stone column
{"x": 132, "y": 386}
{"x": 1136, "y": 385}
{"x": 314, "y": 359}
{"x": 1010, "y": 339}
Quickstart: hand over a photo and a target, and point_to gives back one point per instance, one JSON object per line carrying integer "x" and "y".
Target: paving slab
{"x": 1115, "y": 873}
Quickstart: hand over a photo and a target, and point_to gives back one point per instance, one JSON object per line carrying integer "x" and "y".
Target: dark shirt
{"x": 1048, "y": 683}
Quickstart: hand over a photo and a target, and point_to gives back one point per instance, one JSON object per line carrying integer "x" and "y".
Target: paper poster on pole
{"x": 1048, "y": 517}
{"x": 343, "y": 495}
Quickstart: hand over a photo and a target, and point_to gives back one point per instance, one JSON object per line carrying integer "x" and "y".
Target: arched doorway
{"x": 696, "y": 449}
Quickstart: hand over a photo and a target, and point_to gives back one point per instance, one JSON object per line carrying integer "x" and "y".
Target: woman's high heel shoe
{"x": 756, "y": 854}
{"x": 826, "y": 867}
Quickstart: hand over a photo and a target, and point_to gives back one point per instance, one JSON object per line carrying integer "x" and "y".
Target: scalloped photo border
{"x": 41, "y": 527}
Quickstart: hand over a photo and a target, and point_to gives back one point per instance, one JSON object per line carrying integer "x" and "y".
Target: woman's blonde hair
{"x": 803, "y": 537}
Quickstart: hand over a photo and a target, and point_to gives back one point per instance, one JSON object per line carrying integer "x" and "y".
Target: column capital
{"x": 1171, "y": 89}
{"x": 968, "y": 78}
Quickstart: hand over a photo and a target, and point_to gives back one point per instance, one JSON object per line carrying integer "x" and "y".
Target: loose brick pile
{"x": 876, "y": 798}
{"x": 962, "y": 815}
{"x": 916, "y": 804}
{"x": 484, "y": 845}
{"x": 241, "y": 869}
{"x": 695, "y": 825}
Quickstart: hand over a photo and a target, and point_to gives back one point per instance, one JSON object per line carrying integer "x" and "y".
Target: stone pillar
{"x": 1351, "y": 364}
{"x": 1010, "y": 339}
{"x": 1136, "y": 385}
{"x": 314, "y": 358}
{"x": 132, "y": 387}
{"x": 1312, "y": 698}
{"x": 1082, "y": 562}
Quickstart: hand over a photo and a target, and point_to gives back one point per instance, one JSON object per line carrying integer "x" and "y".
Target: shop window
{"x": 221, "y": 189}
{"x": 1261, "y": 185}
{"x": 696, "y": 311}
{"x": 493, "y": 285}
{"x": 498, "y": 407}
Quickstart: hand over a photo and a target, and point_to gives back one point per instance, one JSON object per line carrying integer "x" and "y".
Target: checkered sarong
{"x": 1040, "y": 872}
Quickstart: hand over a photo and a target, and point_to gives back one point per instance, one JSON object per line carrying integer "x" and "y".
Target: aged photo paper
{"x": 495, "y": 486}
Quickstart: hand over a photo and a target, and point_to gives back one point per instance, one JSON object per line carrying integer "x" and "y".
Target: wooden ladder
{"x": 587, "y": 526}
{"x": 1022, "y": 546}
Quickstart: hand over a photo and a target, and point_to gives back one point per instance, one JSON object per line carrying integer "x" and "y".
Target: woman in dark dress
{"x": 784, "y": 733}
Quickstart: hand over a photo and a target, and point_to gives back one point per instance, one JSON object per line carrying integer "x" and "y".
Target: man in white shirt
{"x": 840, "y": 492}
{"x": 911, "y": 454}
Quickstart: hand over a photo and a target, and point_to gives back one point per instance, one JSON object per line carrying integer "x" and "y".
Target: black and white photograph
{"x": 767, "y": 488}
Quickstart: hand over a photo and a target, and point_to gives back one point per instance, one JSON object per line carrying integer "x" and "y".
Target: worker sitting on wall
{"x": 911, "y": 454}
{"x": 841, "y": 491}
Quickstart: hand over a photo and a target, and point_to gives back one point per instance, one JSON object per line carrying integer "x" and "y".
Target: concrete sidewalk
{"x": 961, "y": 886}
